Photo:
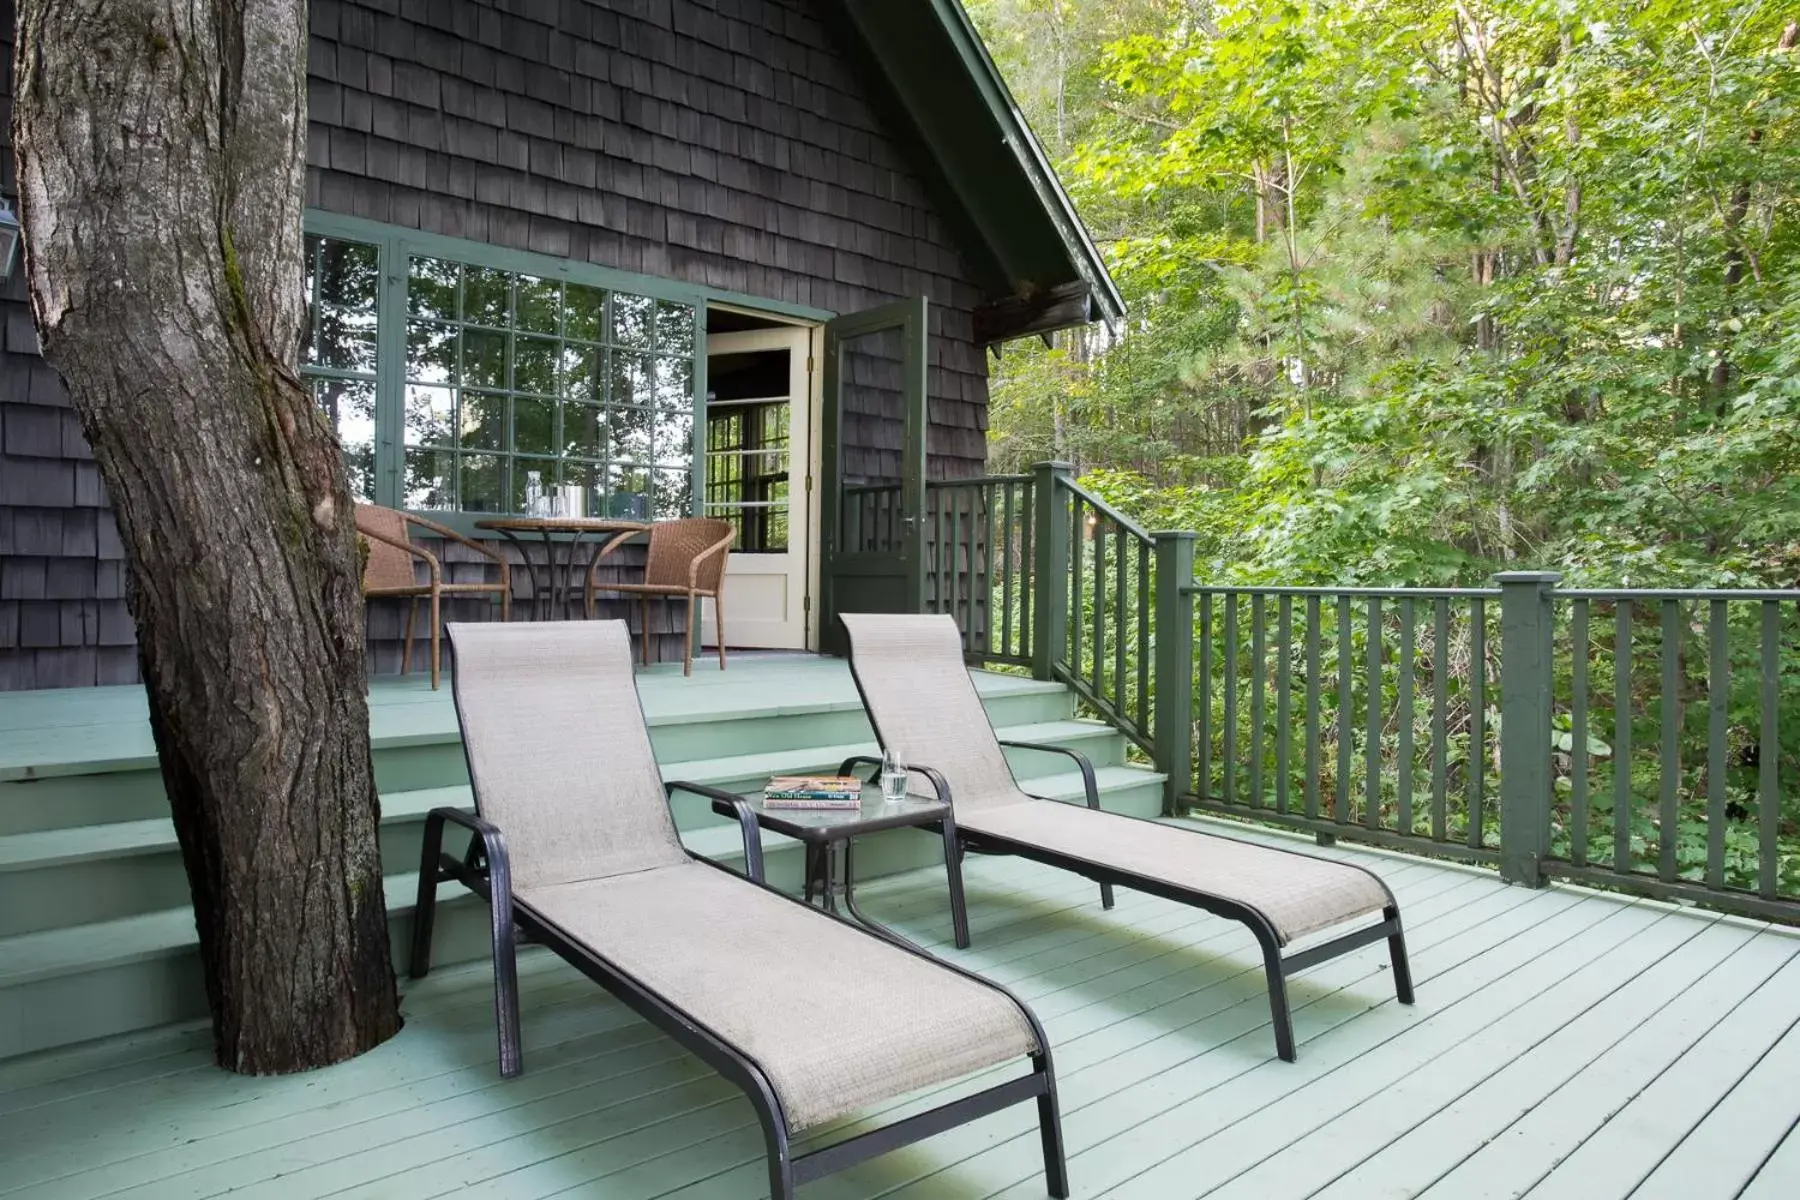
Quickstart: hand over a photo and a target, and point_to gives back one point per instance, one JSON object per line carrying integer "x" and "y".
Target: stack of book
{"x": 813, "y": 791}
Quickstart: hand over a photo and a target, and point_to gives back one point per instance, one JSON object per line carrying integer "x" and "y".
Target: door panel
{"x": 873, "y": 465}
{"x": 758, "y": 456}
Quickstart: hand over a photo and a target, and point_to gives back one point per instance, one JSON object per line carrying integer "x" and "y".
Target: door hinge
{"x": 809, "y": 363}
{"x": 809, "y": 483}
{"x": 806, "y": 604}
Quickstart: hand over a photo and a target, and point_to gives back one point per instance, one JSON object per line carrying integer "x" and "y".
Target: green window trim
{"x": 361, "y": 370}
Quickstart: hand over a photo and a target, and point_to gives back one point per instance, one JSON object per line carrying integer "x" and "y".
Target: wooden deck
{"x": 1565, "y": 1044}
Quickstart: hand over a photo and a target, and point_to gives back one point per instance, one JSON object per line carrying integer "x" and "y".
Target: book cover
{"x": 824, "y": 787}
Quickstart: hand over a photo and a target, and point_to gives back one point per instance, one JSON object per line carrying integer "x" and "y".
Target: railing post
{"x": 1050, "y": 567}
{"x": 1526, "y": 700}
{"x": 1173, "y": 713}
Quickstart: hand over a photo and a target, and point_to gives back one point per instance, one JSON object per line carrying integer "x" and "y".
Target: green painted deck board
{"x": 1159, "y": 1024}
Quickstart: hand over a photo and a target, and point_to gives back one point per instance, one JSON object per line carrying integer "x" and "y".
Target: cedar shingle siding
{"x": 723, "y": 142}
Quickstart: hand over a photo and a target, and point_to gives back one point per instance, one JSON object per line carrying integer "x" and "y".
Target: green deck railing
{"x": 1624, "y": 737}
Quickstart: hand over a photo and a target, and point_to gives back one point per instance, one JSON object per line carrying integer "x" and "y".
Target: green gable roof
{"x": 1042, "y": 269}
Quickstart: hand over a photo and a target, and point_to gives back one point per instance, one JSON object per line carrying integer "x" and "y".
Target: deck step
{"x": 72, "y": 876}
{"x": 59, "y": 986}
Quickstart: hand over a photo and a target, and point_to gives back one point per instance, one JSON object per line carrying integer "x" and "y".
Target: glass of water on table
{"x": 893, "y": 777}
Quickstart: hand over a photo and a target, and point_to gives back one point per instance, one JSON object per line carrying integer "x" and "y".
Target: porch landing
{"x": 1565, "y": 1044}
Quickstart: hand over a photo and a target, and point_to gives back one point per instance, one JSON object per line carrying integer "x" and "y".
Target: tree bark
{"x": 161, "y": 155}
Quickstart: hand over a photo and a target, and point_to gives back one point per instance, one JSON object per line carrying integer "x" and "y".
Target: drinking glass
{"x": 893, "y": 778}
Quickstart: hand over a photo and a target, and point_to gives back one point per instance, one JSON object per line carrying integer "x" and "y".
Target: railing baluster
{"x": 1477, "y": 718}
{"x": 1027, "y": 573}
{"x": 1372, "y": 746}
{"x": 1099, "y": 649}
{"x": 1121, "y": 601}
{"x": 1078, "y": 549}
{"x": 937, "y": 557}
{"x": 1144, "y": 648}
{"x": 1230, "y": 764}
{"x": 1008, "y": 644}
{"x": 1203, "y": 702}
{"x": 1440, "y": 719}
{"x": 1578, "y": 733}
{"x": 1312, "y": 708}
{"x": 1403, "y": 702}
{"x": 1258, "y": 674}
{"x": 1669, "y": 813}
{"x": 1718, "y": 693}
{"x": 1768, "y": 755}
{"x": 977, "y": 572}
{"x": 1346, "y": 710}
{"x": 1284, "y": 700}
{"x": 1622, "y": 802}
{"x": 985, "y": 496}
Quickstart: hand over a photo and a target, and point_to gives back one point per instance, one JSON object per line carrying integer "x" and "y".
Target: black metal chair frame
{"x": 1276, "y": 965}
{"x": 485, "y": 870}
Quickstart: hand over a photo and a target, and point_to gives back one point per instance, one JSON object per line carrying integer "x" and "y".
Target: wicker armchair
{"x": 390, "y": 572}
{"x": 687, "y": 558}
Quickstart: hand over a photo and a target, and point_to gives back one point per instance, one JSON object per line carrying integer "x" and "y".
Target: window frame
{"x": 396, "y": 245}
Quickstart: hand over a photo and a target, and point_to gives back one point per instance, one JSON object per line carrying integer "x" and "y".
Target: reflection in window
{"x": 747, "y": 472}
{"x": 338, "y": 359}
{"x": 510, "y": 375}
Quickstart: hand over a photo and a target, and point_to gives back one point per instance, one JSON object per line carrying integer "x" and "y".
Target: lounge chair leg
{"x": 506, "y": 974}
{"x": 1278, "y": 997}
{"x": 1403, "y": 982}
{"x": 426, "y": 908}
{"x": 1056, "y": 1163}
{"x": 775, "y": 1141}
{"x": 959, "y": 907}
{"x": 1106, "y": 895}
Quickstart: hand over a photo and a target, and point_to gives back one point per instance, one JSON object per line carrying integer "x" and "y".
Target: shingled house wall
{"x": 731, "y": 143}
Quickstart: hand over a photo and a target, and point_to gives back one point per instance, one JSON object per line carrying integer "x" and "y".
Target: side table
{"x": 829, "y": 835}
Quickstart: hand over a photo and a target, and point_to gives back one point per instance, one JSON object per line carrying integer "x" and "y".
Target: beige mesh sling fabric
{"x": 834, "y": 1018}
{"x": 925, "y": 707}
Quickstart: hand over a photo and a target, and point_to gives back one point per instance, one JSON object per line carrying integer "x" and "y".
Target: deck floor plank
{"x": 1618, "y": 1156}
{"x": 1516, "y": 1158}
{"x": 1552, "y": 1025}
{"x": 1779, "y": 1175}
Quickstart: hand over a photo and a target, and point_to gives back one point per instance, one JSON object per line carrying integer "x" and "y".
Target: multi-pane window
{"x": 747, "y": 473}
{"x": 510, "y": 376}
{"x": 496, "y": 379}
{"x": 338, "y": 360}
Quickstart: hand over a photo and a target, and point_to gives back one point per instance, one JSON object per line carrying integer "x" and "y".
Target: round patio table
{"x": 553, "y": 602}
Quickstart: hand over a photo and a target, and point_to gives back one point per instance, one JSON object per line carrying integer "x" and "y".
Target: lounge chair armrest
{"x": 1089, "y": 783}
{"x": 746, "y": 819}
{"x": 938, "y": 783}
{"x": 493, "y": 848}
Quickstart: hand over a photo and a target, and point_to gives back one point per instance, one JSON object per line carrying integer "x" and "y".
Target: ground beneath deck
{"x": 1565, "y": 1044}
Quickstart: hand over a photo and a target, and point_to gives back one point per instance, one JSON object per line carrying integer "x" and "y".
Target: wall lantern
{"x": 9, "y": 240}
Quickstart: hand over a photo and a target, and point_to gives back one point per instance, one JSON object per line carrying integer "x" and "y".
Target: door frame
{"x": 813, "y": 399}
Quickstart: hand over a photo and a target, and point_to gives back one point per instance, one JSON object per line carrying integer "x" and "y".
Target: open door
{"x": 758, "y": 462}
{"x": 872, "y": 458}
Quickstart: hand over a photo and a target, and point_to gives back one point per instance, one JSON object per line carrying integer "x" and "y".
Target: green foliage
{"x": 1423, "y": 289}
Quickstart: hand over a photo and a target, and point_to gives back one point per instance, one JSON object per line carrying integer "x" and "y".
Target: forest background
{"x": 1420, "y": 290}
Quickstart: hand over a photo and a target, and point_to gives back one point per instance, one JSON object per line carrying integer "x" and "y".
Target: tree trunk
{"x": 161, "y": 169}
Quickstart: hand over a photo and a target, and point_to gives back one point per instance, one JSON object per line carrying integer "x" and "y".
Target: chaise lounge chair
{"x": 574, "y": 846}
{"x": 924, "y": 706}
